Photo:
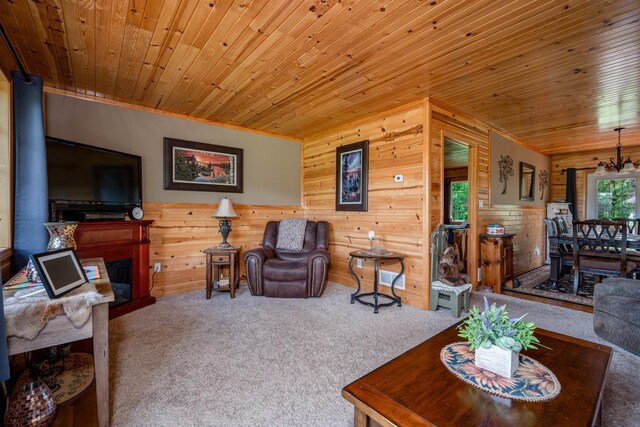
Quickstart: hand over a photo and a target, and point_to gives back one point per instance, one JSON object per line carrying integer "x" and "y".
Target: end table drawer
{"x": 219, "y": 258}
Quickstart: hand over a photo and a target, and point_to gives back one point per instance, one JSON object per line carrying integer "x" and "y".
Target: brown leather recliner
{"x": 282, "y": 273}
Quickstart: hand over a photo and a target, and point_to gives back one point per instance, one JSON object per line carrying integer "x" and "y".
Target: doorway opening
{"x": 456, "y": 200}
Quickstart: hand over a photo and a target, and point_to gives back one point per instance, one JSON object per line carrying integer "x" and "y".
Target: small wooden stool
{"x": 457, "y": 303}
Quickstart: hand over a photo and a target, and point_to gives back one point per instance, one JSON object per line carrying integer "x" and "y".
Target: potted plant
{"x": 496, "y": 338}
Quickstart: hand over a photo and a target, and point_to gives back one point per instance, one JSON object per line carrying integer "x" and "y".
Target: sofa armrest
{"x": 319, "y": 261}
{"x": 254, "y": 260}
{"x": 629, "y": 288}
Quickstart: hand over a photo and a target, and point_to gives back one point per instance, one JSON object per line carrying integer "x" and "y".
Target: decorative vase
{"x": 61, "y": 234}
{"x": 32, "y": 273}
{"x": 33, "y": 406}
{"x": 495, "y": 359}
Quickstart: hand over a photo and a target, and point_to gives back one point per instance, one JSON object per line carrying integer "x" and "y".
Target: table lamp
{"x": 225, "y": 210}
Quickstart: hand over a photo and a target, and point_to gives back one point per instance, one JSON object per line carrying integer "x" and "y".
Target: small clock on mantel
{"x": 136, "y": 213}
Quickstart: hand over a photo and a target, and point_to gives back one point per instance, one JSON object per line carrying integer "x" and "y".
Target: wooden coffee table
{"x": 416, "y": 389}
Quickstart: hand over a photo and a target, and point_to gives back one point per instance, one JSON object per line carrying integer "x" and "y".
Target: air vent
{"x": 386, "y": 277}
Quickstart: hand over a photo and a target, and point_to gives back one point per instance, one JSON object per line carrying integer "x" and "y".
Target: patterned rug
{"x": 536, "y": 282}
{"x": 76, "y": 378}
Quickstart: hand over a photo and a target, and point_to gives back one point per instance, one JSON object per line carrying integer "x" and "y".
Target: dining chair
{"x": 566, "y": 252}
{"x": 633, "y": 228}
{"x": 632, "y": 225}
{"x": 600, "y": 248}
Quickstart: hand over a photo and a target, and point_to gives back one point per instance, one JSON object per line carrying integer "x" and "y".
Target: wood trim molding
{"x": 63, "y": 92}
{"x": 426, "y": 217}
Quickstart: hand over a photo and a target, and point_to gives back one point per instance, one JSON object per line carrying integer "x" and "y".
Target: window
{"x": 459, "y": 201}
{"x": 616, "y": 198}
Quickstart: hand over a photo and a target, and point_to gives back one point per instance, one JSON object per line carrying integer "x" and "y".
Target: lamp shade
{"x": 601, "y": 170}
{"x": 628, "y": 167}
{"x": 225, "y": 209}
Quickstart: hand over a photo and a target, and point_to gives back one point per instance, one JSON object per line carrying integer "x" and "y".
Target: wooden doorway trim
{"x": 473, "y": 235}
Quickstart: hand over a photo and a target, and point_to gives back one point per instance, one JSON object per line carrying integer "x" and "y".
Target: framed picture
{"x": 60, "y": 271}
{"x": 352, "y": 176}
{"x": 195, "y": 166}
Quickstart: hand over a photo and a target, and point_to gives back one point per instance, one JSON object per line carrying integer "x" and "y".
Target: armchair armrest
{"x": 322, "y": 253}
{"x": 254, "y": 259}
{"x": 318, "y": 261}
{"x": 263, "y": 254}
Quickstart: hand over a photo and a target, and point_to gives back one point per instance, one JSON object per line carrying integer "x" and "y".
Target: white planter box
{"x": 495, "y": 359}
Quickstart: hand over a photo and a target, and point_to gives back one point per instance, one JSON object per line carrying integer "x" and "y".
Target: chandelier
{"x": 620, "y": 164}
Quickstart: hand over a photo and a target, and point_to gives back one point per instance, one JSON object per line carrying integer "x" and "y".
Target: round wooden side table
{"x": 356, "y": 296}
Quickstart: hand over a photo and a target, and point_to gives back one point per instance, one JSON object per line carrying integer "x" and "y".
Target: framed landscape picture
{"x": 352, "y": 175}
{"x": 195, "y": 166}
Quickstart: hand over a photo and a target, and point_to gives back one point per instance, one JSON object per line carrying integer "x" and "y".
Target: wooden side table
{"x": 60, "y": 330}
{"x": 218, "y": 257}
{"x": 497, "y": 260}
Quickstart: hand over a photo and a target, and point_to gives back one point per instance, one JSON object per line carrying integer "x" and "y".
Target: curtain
{"x": 571, "y": 192}
{"x": 30, "y": 198}
{"x": 4, "y": 356}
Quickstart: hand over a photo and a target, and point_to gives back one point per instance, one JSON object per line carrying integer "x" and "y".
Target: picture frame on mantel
{"x": 352, "y": 176}
{"x": 195, "y": 166}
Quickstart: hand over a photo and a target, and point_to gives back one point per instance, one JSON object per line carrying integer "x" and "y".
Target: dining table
{"x": 566, "y": 240}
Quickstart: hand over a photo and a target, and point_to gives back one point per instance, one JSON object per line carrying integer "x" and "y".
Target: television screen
{"x": 80, "y": 173}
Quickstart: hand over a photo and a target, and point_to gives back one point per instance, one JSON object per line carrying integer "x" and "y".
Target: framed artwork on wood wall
{"x": 352, "y": 176}
{"x": 194, "y": 166}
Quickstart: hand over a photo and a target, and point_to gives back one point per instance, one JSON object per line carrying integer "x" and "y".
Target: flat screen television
{"x": 85, "y": 179}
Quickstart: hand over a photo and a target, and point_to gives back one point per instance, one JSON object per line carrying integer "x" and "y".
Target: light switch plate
{"x": 359, "y": 263}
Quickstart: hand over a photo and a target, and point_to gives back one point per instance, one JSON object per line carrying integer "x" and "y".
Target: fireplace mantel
{"x": 119, "y": 240}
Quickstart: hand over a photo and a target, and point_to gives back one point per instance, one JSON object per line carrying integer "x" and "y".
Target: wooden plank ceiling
{"x": 559, "y": 75}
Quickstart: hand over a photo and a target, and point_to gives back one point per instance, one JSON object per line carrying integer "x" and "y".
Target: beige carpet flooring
{"x": 254, "y": 361}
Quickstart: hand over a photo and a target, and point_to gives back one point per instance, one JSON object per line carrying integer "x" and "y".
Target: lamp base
{"x": 225, "y": 228}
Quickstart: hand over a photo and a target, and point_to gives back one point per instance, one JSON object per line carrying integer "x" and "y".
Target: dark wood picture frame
{"x": 356, "y": 155}
{"x": 199, "y": 183}
{"x": 527, "y": 181}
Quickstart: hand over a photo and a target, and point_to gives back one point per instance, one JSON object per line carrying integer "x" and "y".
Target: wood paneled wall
{"x": 402, "y": 214}
{"x": 447, "y": 123}
{"x": 395, "y": 209}
{"x": 181, "y": 232}
{"x": 525, "y": 222}
{"x": 586, "y": 159}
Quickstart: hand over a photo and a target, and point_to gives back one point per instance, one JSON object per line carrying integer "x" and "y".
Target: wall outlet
{"x": 386, "y": 277}
{"x": 157, "y": 267}
{"x": 537, "y": 251}
{"x": 358, "y": 263}
{"x": 481, "y": 203}
{"x": 398, "y": 178}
